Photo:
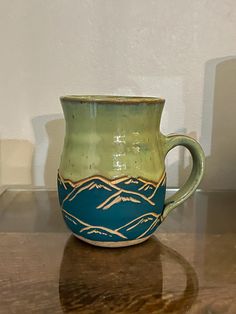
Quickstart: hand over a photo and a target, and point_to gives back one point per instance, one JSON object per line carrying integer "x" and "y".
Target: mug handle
{"x": 171, "y": 141}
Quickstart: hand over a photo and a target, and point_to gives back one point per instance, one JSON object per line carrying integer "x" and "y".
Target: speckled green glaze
{"x": 110, "y": 140}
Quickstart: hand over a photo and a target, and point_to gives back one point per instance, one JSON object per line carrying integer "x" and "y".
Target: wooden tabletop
{"x": 189, "y": 266}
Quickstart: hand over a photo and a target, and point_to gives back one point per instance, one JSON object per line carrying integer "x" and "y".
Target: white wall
{"x": 181, "y": 50}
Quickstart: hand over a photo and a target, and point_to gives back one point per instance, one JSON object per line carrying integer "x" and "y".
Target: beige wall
{"x": 184, "y": 51}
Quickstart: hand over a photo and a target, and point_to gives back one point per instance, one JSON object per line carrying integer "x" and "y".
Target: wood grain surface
{"x": 173, "y": 272}
{"x": 51, "y": 273}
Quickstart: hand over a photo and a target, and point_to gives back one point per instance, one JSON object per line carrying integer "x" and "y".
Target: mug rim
{"x": 113, "y": 99}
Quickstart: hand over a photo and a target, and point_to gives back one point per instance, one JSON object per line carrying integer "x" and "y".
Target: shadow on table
{"x": 125, "y": 280}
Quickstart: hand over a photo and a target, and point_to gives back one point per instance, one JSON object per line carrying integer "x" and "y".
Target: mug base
{"x": 112, "y": 244}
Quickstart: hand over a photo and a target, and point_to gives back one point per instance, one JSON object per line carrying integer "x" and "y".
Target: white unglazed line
{"x": 112, "y": 244}
{"x": 150, "y": 228}
{"x": 153, "y": 214}
{"x": 99, "y": 227}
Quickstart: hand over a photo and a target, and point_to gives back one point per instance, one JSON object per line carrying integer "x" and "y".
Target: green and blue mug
{"x": 111, "y": 179}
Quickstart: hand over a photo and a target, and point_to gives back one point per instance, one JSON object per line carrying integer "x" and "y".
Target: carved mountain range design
{"x": 141, "y": 226}
{"x": 112, "y": 210}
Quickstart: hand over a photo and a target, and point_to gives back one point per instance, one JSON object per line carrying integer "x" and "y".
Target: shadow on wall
{"x": 218, "y": 124}
{"x": 49, "y": 138}
{"x": 218, "y": 128}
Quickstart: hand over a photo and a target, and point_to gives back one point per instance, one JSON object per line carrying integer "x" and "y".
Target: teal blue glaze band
{"x": 122, "y": 209}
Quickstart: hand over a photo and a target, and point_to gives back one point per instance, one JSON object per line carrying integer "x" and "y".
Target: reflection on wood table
{"x": 43, "y": 269}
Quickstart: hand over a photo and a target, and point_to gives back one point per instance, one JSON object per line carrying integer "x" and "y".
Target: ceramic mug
{"x": 111, "y": 178}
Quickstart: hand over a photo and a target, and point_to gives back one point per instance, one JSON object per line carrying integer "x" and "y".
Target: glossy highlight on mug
{"x": 102, "y": 210}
